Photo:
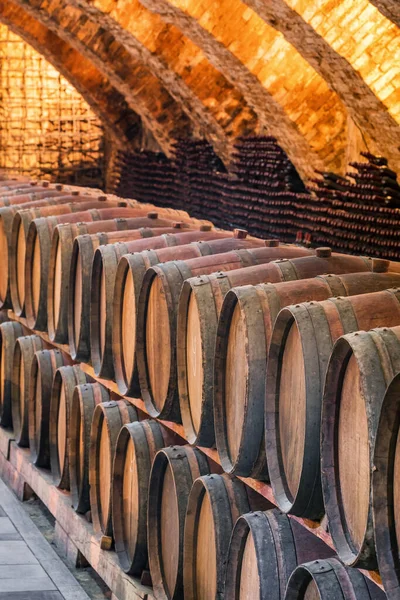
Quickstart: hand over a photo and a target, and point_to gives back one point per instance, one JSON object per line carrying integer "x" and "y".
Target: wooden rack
{"x": 318, "y": 528}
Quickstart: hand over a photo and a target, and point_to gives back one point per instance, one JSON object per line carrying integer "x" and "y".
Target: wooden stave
{"x": 26, "y": 197}
{"x": 38, "y": 194}
{"x": 263, "y": 303}
{"x": 68, "y": 377}
{"x": 44, "y": 365}
{"x": 26, "y": 345}
{"x": 229, "y": 499}
{"x": 315, "y": 327}
{"x": 109, "y": 256}
{"x": 383, "y": 345}
{"x": 138, "y": 432}
{"x": 186, "y": 465}
{"x": 82, "y": 250}
{"x": 333, "y": 580}
{"x": 382, "y": 490}
{"x": 16, "y": 187}
{"x": 137, "y": 264}
{"x": 84, "y": 401}
{"x": 14, "y": 183}
{"x": 115, "y": 414}
{"x": 180, "y": 238}
{"x": 209, "y": 292}
{"x": 105, "y": 262}
{"x": 9, "y": 333}
{"x": 281, "y": 544}
{"x": 65, "y": 235}
{"x": 57, "y": 213}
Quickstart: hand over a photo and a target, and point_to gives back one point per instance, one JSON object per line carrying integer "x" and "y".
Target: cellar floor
{"x": 29, "y": 567}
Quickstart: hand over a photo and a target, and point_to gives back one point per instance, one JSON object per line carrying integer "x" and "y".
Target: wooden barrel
{"x": 136, "y": 448}
{"x": 12, "y": 182}
{"x": 61, "y": 254}
{"x": 158, "y": 304}
{"x": 385, "y": 489}
{"x": 24, "y": 351}
{"x": 128, "y": 280}
{"x": 199, "y": 306}
{"x": 264, "y": 549}
{"x": 64, "y": 382}
{"x": 243, "y": 337}
{"x": 301, "y": 344}
{"x": 31, "y": 196}
{"x": 84, "y": 400}
{"x": 330, "y": 580}
{"x": 44, "y": 365}
{"x": 7, "y": 249}
{"x": 17, "y": 194}
{"x": 108, "y": 418}
{"x": 361, "y": 367}
{"x": 9, "y": 333}
{"x": 173, "y": 472}
{"x": 215, "y": 503}
{"x": 35, "y": 242}
{"x": 18, "y": 236}
{"x": 174, "y": 215}
{"x": 15, "y": 187}
{"x": 79, "y": 287}
{"x": 104, "y": 270}
{"x": 61, "y": 257}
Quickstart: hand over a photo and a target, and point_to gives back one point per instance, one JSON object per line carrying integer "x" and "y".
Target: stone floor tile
{"x": 16, "y": 553}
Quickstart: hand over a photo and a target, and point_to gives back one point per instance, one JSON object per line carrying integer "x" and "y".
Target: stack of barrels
{"x": 286, "y": 359}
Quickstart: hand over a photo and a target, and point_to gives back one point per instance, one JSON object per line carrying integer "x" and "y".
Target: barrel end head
{"x": 101, "y": 198}
{"x": 240, "y": 234}
{"x": 152, "y": 215}
{"x": 271, "y": 243}
{"x": 177, "y": 225}
{"x": 205, "y": 227}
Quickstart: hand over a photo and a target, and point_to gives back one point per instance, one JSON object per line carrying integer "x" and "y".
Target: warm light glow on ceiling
{"x": 288, "y": 77}
{"x": 359, "y": 32}
{"x": 186, "y": 59}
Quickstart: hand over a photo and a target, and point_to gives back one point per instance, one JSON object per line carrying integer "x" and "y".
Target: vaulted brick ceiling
{"x": 322, "y": 76}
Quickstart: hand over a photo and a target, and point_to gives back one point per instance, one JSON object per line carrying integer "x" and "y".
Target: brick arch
{"x": 121, "y": 124}
{"x": 366, "y": 110}
{"x": 285, "y": 115}
{"x": 389, "y": 8}
{"x": 183, "y": 61}
{"x": 360, "y": 33}
{"x": 211, "y": 124}
{"x": 143, "y": 92}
